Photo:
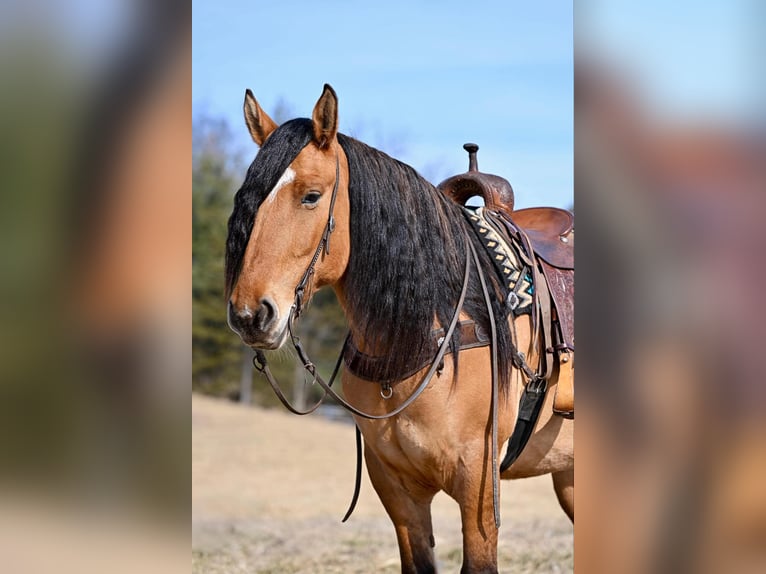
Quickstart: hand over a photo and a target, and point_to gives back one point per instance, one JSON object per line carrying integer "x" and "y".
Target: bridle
{"x": 261, "y": 364}
{"x": 259, "y": 360}
{"x": 324, "y": 245}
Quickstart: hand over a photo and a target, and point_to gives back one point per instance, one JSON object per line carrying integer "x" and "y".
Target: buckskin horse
{"x": 438, "y": 359}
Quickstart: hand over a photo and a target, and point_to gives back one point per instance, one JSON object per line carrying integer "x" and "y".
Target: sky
{"x": 415, "y": 78}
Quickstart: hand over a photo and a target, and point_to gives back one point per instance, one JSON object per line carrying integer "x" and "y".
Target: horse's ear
{"x": 325, "y": 117}
{"x": 258, "y": 122}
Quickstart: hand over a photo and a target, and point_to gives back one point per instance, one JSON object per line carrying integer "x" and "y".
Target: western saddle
{"x": 546, "y": 234}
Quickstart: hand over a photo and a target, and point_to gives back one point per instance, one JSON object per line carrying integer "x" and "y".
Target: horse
{"x": 321, "y": 209}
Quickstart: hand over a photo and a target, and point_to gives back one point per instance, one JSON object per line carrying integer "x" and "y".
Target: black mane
{"x": 407, "y": 248}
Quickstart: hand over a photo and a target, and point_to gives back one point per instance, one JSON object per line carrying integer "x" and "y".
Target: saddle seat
{"x": 551, "y": 233}
{"x": 548, "y": 233}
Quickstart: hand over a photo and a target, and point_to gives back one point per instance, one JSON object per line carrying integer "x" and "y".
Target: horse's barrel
{"x": 496, "y": 192}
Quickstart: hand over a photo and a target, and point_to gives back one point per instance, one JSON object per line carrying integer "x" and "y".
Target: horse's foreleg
{"x": 563, "y": 484}
{"x": 479, "y": 539}
{"x": 473, "y": 492}
{"x": 409, "y": 507}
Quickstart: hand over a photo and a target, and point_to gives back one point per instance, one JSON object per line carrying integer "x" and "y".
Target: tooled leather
{"x": 561, "y": 286}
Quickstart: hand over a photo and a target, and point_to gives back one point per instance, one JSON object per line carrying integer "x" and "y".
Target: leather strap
{"x": 324, "y": 244}
{"x": 376, "y": 368}
{"x": 531, "y": 402}
{"x": 493, "y": 362}
{"x": 533, "y": 396}
{"x": 358, "y": 477}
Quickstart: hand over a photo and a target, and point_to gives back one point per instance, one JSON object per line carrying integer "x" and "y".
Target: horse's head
{"x": 279, "y": 219}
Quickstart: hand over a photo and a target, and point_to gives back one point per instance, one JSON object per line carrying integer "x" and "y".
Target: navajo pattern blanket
{"x": 513, "y": 273}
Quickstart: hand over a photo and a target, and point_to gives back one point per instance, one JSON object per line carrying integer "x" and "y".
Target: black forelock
{"x": 277, "y": 153}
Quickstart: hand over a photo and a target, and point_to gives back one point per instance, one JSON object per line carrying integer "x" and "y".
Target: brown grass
{"x": 269, "y": 490}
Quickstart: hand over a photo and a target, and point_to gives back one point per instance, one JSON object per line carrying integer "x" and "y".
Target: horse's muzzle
{"x": 256, "y": 326}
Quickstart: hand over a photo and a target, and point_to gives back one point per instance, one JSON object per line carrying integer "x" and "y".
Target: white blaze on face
{"x": 286, "y": 178}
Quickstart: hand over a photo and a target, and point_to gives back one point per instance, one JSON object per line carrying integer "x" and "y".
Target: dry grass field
{"x": 269, "y": 490}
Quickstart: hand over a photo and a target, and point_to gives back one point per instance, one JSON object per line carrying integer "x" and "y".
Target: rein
{"x": 261, "y": 364}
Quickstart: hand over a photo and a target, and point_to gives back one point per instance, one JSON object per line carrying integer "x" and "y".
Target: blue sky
{"x": 427, "y": 76}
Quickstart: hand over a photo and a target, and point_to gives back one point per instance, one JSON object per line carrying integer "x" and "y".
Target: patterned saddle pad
{"x": 513, "y": 271}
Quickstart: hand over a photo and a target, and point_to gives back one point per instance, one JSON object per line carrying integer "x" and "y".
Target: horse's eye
{"x": 311, "y": 198}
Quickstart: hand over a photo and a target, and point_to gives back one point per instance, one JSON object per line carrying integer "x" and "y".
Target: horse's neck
{"x": 358, "y": 325}
{"x": 354, "y": 330}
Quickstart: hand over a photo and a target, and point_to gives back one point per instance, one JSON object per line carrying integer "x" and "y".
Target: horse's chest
{"x": 404, "y": 442}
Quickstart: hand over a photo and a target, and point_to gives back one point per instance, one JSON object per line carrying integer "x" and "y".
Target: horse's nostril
{"x": 239, "y": 318}
{"x": 249, "y": 322}
{"x": 269, "y": 311}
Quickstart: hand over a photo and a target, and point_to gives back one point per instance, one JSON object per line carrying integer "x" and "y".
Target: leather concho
{"x": 377, "y": 369}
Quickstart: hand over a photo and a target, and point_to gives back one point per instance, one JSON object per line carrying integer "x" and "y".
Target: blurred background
{"x": 95, "y": 365}
{"x": 670, "y": 172}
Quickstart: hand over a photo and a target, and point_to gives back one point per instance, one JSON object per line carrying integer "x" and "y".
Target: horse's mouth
{"x": 265, "y": 341}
